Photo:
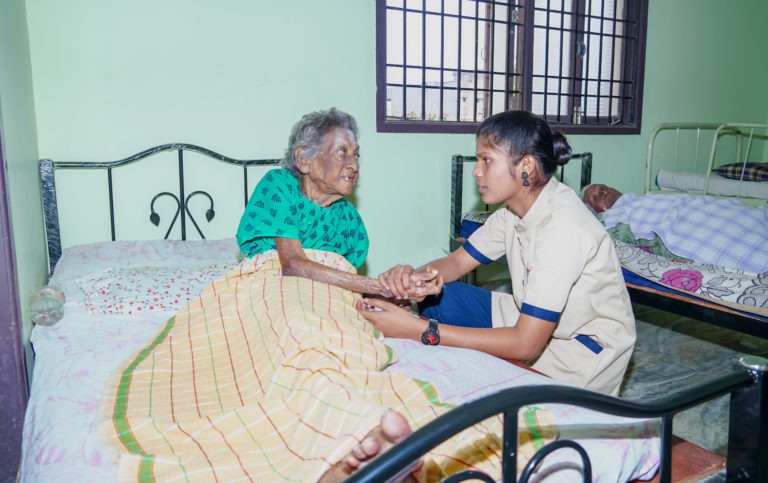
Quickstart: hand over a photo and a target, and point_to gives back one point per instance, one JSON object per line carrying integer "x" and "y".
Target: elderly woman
{"x": 303, "y": 206}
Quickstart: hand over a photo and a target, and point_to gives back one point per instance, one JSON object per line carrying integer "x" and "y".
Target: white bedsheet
{"x": 76, "y": 357}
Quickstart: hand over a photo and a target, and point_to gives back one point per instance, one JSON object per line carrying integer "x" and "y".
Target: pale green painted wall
{"x": 112, "y": 78}
{"x": 17, "y": 118}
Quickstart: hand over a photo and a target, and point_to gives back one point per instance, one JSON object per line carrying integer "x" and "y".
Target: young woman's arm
{"x": 523, "y": 342}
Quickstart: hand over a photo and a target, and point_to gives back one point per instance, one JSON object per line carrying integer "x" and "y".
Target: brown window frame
{"x": 573, "y": 96}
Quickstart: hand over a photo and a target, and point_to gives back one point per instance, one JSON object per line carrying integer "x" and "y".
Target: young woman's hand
{"x": 392, "y": 320}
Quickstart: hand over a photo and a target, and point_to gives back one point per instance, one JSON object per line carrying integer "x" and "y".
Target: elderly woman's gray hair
{"x": 310, "y": 131}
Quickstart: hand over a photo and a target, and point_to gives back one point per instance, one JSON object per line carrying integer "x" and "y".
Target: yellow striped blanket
{"x": 270, "y": 378}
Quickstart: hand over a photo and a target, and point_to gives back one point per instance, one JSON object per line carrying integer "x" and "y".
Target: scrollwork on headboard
{"x": 209, "y": 213}
{"x": 183, "y": 213}
{"x": 154, "y": 217}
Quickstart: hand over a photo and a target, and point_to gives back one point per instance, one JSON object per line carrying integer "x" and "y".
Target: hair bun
{"x": 561, "y": 149}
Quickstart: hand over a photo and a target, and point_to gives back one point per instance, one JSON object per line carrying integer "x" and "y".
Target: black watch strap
{"x": 431, "y": 336}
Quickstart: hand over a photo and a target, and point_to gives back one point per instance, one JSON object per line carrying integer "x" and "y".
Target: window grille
{"x": 445, "y": 65}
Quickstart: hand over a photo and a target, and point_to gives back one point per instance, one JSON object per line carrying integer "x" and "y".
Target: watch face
{"x": 430, "y": 338}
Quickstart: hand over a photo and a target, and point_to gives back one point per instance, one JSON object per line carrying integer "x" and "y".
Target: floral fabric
{"x": 731, "y": 287}
{"x": 145, "y": 289}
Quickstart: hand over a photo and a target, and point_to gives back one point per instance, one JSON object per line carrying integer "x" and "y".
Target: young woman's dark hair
{"x": 521, "y": 133}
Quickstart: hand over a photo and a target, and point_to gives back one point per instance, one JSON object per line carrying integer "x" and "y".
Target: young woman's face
{"x": 497, "y": 178}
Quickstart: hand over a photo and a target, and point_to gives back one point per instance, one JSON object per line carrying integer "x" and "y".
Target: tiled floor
{"x": 672, "y": 351}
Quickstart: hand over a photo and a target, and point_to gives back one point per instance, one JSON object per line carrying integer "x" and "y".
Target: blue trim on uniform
{"x": 475, "y": 253}
{"x": 539, "y": 313}
{"x": 590, "y": 343}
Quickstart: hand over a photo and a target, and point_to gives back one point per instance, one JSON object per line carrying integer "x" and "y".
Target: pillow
{"x": 81, "y": 260}
{"x": 138, "y": 290}
{"x": 752, "y": 171}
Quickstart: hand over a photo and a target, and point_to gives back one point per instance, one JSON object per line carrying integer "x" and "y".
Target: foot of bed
{"x": 748, "y": 433}
{"x": 692, "y": 463}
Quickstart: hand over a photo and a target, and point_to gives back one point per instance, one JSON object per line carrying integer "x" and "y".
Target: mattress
{"x": 119, "y": 294}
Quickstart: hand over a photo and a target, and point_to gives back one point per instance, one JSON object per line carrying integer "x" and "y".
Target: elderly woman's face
{"x": 333, "y": 172}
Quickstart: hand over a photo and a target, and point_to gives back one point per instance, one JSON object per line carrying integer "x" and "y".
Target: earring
{"x": 525, "y": 179}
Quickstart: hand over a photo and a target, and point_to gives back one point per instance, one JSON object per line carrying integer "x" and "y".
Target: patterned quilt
{"x": 270, "y": 378}
{"x": 733, "y": 288}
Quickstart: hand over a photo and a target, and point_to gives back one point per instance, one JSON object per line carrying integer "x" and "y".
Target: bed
{"x": 714, "y": 162}
{"x": 721, "y": 159}
{"x": 123, "y": 280}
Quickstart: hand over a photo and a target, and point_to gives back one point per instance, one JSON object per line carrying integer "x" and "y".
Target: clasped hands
{"x": 407, "y": 283}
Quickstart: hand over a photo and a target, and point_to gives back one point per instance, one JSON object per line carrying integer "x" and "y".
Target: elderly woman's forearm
{"x": 351, "y": 281}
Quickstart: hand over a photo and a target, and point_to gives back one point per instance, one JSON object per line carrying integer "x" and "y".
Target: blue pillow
{"x": 752, "y": 171}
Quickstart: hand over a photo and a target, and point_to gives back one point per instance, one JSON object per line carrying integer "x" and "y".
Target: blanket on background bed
{"x": 733, "y": 288}
{"x": 708, "y": 230}
{"x": 268, "y": 378}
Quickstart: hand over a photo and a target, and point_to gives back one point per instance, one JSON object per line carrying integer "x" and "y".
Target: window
{"x": 445, "y": 65}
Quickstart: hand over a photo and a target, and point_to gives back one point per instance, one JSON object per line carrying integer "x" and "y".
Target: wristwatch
{"x": 431, "y": 336}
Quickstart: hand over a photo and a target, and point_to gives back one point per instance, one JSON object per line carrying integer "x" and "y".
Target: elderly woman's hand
{"x": 424, "y": 282}
{"x": 397, "y": 280}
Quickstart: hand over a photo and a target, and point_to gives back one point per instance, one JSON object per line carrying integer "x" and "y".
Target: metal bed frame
{"x": 703, "y": 141}
{"x": 704, "y": 152}
{"x": 47, "y": 169}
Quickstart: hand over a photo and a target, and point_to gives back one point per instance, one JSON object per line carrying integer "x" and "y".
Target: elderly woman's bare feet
{"x": 393, "y": 429}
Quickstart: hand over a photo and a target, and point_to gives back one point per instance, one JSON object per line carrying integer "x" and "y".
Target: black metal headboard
{"x": 47, "y": 169}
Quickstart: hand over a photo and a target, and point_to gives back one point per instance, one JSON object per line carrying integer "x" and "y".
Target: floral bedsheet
{"x": 737, "y": 289}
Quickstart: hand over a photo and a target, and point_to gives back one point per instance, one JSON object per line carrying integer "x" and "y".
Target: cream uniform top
{"x": 564, "y": 269}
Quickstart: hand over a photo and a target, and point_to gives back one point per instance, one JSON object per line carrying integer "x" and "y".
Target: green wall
{"x": 19, "y": 136}
{"x": 112, "y": 78}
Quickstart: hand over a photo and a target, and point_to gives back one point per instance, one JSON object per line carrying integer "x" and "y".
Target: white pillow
{"x": 139, "y": 290}
{"x": 91, "y": 258}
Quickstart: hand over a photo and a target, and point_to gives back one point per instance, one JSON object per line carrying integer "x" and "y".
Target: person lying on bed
{"x": 569, "y": 314}
{"x": 706, "y": 229}
{"x": 303, "y": 205}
